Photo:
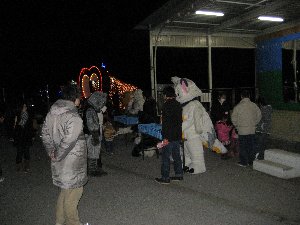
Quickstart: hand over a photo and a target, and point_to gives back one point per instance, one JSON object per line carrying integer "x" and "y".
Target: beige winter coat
{"x": 62, "y": 133}
{"x": 245, "y": 116}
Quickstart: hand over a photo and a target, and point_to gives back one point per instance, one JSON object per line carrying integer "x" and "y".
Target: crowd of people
{"x": 74, "y": 131}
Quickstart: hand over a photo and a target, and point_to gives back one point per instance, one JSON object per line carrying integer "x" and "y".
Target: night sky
{"x": 48, "y": 42}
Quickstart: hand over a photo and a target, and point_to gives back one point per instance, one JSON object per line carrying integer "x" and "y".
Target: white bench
{"x": 279, "y": 163}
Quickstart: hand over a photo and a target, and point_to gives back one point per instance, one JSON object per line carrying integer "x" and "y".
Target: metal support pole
{"x": 151, "y": 66}
{"x": 209, "y": 68}
{"x": 295, "y": 69}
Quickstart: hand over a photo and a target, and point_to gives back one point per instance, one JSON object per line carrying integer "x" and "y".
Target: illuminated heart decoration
{"x": 90, "y": 80}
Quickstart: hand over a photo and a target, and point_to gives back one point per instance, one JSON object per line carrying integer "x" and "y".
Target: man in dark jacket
{"x": 63, "y": 138}
{"x": 172, "y": 135}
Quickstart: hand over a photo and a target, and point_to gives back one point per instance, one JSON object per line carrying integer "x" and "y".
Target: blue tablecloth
{"x": 152, "y": 129}
{"x": 127, "y": 120}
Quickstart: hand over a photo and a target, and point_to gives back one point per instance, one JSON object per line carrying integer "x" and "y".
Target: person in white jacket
{"x": 136, "y": 103}
{"x": 245, "y": 116}
{"x": 63, "y": 139}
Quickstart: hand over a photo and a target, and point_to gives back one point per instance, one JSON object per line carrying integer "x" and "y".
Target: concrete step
{"x": 275, "y": 169}
{"x": 283, "y": 157}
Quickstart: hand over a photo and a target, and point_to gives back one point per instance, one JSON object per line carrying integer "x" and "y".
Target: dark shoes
{"x": 241, "y": 164}
{"x": 176, "y": 178}
{"x": 97, "y": 173}
{"x": 225, "y": 156}
{"x": 167, "y": 181}
{"x": 162, "y": 180}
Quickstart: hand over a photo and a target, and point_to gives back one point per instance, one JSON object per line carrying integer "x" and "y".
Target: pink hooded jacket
{"x": 223, "y": 131}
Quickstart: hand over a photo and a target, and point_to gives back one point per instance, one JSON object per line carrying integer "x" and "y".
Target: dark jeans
{"x": 22, "y": 151}
{"x": 261, "y": 139}
{"x": 109, "y": 146}
{"x": 247, "y": 148}
{"x": 174, "y": 149}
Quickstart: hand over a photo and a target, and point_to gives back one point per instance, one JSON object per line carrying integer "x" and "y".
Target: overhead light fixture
{"x": 209, "y": 13}
{"x": 270, "y": 18}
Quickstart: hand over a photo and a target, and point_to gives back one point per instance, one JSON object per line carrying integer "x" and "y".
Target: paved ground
{"x": 225, "y": 194}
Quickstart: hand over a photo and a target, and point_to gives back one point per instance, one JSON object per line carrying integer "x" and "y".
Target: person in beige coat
{"x": 63, "y": 138}
{"x": 245, "y": 116}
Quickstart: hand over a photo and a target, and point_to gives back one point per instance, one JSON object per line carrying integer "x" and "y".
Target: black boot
{"x": 99, "y": 167}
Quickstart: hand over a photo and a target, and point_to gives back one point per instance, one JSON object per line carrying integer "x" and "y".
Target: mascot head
{"x": 97, "y": 100}
{"x": 185, "y": 89}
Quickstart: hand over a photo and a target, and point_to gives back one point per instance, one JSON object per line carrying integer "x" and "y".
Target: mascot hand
{"x": 95, "y": 138}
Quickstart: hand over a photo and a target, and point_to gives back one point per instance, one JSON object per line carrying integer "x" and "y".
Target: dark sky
{"x": 50, "y": 41}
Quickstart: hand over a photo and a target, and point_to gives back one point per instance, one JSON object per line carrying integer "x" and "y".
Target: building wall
{"x": 285, "y": 125}
{"x": 269, "y": 71}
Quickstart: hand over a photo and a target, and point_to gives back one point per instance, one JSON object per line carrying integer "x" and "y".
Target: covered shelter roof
{"x": 237, "y": 25}
{"x": 240, "y": 17}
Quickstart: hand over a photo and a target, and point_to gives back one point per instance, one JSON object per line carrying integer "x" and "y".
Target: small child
{"x": 226, "y": 135}
{"x": 109, "y": 133}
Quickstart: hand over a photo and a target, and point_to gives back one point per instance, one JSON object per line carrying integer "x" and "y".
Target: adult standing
{"x": 63, "y": 138}
{"x": 136, "y": 104}
{"x": 172, "y": 135}
{"x": 23, "y": 137}
{"x": 96, "y": 102}
{"x": 219, "y": 108}
{"x": 263, "y": 128}
{"x": 245, "y": 117}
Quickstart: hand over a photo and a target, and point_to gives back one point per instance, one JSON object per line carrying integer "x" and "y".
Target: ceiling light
{"x": 209, "y": 13}
{"x": 271, "y": 18}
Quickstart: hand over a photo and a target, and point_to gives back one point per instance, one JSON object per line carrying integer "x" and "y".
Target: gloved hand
{"x": 95, "y": 138}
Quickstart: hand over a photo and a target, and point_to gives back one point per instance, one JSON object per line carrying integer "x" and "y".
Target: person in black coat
{"x": 172, "y": 135}
{"x": 219, "y": 108}
{"x": 23, "y": 137}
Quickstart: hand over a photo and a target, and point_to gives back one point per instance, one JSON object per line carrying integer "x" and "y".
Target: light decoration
{"x": 118, "y": 87}
{"x": 270, "y": 18}
{"x": 209, "y": 13}
{"x": 90, "y": 80}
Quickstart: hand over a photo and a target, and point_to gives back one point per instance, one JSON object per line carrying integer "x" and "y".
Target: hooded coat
{"x": 137, "y": 102}
{"x": 96, "y": 101}
{"x": 62, "y": 133}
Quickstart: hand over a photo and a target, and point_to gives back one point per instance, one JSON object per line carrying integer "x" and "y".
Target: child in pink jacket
{"x": 227, "y": 135}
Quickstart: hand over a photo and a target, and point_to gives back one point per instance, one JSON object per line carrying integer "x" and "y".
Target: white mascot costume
{"x": 197, "y": 127}
{"x": 192, "y": 116}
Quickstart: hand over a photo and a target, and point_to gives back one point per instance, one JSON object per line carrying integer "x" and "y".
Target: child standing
{"x": 226, "y": 135}
{"x": 109, "y": 133}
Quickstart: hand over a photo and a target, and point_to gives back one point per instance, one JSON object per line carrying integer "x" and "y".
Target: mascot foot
{"x": 191, "y": 170}
{"x": 186, "y": 169}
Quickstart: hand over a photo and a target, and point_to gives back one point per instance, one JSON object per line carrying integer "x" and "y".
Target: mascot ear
{"x": 184, "y": 85}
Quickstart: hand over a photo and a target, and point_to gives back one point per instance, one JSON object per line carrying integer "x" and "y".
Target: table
{"x": 153, "y": 130}
{"x": 127, "y": 120}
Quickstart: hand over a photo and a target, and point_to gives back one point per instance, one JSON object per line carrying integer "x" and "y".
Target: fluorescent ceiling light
{"x": 209, "y": 13}
{"x": 271, "y": 18}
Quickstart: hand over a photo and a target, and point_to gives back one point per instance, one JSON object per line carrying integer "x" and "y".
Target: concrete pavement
{"x": 225, "y": 194}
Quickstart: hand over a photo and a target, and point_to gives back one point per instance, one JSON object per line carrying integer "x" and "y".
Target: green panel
{"x": 287, "y": 106}
{"x": 270, "y": 86}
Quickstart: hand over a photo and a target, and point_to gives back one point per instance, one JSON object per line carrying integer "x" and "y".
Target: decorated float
{"x": 98, "y": 79}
